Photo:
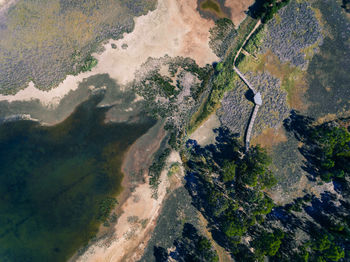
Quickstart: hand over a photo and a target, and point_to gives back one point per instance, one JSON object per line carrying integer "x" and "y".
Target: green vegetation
{"x": 267, "y": 244}
{"x": 333, "y": 151}
{"x": 298, "y": 204}
{"x": 346, "y": 5}
{"x": 265, "y": 9}
{"x": 105, "y": 207}
{"x": 229, "y": 171}
{"x": 253, "y": 44}
{"x": 162, "y": 92}
{"x": 195, "y": 247}
{"x": 230, "y": 188}
{"x": 191, "y": 246}
{"x": 224, "y": 76}
{"x": 165, "y": 84}
{"x": 38, "y": 38}
{"x": 322, "y": 248}
{"x": 156, "y": 168}
{"x": 255, "y": 169}
{"x": 173, "y": 169}
{"x": 325, "y": 236}
{"x": 88, "y": 64}
{"x": 220, "y": 28}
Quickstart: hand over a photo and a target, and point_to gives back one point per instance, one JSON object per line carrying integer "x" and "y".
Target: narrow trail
{"x": 250, "y": 127}
{"x": 257, "y": 96}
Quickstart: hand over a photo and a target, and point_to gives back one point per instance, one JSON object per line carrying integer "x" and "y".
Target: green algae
{"x": 212, "y": 6}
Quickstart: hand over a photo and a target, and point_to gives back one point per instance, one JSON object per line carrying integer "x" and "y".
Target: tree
{"x": 229, "y": 171}
{"x": 267, "y": 244}
{"x": 267, "y": 179}
{"x": 234, "y": 228}
{"x": 334, "y": 253}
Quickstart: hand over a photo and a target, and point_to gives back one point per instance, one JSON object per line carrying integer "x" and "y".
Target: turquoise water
{"x": 54, "y": 179}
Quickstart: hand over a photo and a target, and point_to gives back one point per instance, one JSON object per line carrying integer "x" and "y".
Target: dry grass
{"x": 270, "y": 137}
{"x": 332, "y": 117}
{"x": 293, "y": 79}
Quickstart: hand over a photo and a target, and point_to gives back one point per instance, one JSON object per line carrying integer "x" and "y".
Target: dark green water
{"x": 53, "y": 179}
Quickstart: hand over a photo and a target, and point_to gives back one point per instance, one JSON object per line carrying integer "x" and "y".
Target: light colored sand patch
{"x": 204, "y": 134}
{"x": 238, "y": 9}
{"x": 4, "y": 6}
{"x": 134, "y": 226}
{"x": 49, "y": 98}
{"x": 175, "y": 28}
{"x": 5, "y": 2}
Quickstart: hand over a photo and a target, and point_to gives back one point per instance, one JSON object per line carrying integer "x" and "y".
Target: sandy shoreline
{"x": 138, "y": 156}
{"x": 136, "y": 223}
{"x": 175, "y": 28}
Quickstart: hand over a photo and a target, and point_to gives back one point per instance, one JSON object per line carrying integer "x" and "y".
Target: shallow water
{"x": 53, "y": 179}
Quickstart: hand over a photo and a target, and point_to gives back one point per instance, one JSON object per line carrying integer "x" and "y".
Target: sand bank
{"x": 175, "y": 28}
{"x": 204, "y": 135}
{"x": 135, "y": 225}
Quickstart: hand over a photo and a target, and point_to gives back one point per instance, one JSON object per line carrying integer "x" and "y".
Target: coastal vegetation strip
{"x": 224, "y": 76}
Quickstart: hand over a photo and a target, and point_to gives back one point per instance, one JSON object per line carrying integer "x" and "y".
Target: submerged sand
{"x": 175, "y": 28}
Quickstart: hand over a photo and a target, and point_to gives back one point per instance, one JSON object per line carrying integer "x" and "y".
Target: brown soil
{"x": 238, "y": 8}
